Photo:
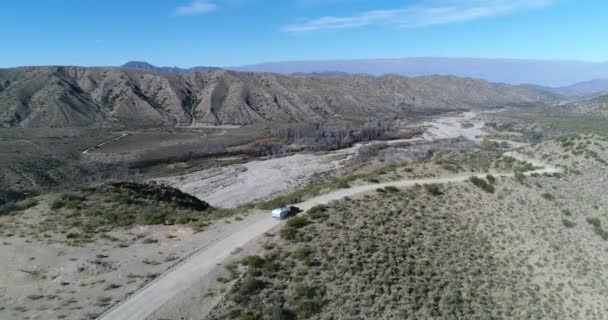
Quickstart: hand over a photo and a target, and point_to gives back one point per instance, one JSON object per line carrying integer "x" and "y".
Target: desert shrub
{"x": 302, "y": 253}
{"x": 58, "y": 204}
{"x": 26, "y": 204}
{"x": 271, "y": 265}
{"x": 523, "y": 167}
{"x": 482, "y": 184}
{"x": 520, "y": 177}
{"x": 567, "y": 144}
{"x": 289, "y": 233}
{"x": 391, "y": 189}
{"x": 491, "y": 179}
{"x": 433, "y": 189}
{"x": 112, "y": 286}
{"x": 342, "y": 185}
{"x": 568, "y": 223}
{"x": 248, "y": 287}
{"x": 597, "y": 227}
{"x": 73, "y": 200}
{"x": 253, "y": 261}
{"x": 280, "y": 313}
{"x": 508, "y": 160}
{"x": 601, "y": 232}
{"x": 68, "y": 200}
{"x": 248, "y": 315}
{"x": 185, "y": 218}
{"x": 548, "y": 196}
{"x": 305, "y": 301}
{"x": 307, "y": 308}
{"x": 297, "y": 222}
{"x": 594, "y": 221}
{"x": 72, "y": 235}
{"x": 152, "y": 216}
{"x": 87, "y": 228}
{"x": 451, "y": 167}
{"x": 318, "y": 212}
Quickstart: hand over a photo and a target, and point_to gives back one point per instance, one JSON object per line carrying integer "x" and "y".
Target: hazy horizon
{"x": 548, "y": 73}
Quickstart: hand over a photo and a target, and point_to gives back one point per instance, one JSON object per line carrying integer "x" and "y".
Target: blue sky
{"x": 236, "y": 32}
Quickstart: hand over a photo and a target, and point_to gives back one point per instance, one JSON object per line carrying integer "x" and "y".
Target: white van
{"x": 285, "y": 212}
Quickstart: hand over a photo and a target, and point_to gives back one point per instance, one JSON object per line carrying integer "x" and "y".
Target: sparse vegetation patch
{"x": 482, "y": 184}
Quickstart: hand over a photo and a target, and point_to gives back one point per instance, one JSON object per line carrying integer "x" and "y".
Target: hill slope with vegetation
{"x": 595, "y": 107}
{"x": 494, "y": 248}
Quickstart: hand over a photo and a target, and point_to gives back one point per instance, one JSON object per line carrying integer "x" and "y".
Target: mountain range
{"x": 114, "y": 96}
{"x": 540, "y": 74}
{"x": 149, "y": 67}
{"x": 547, "y": 73}
{"x": 583, "y": 89}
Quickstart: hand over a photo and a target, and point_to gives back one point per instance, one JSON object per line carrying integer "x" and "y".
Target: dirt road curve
{"x": 145, "y": 302}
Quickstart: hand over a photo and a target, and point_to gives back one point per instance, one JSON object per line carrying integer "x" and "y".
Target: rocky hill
{"x": 109, "y": 96}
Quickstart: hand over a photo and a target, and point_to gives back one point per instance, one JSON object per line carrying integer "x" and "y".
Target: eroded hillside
{"x": 78, "y": 96}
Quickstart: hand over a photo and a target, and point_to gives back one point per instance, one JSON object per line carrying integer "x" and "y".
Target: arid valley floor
{"x": 474, "y": 217}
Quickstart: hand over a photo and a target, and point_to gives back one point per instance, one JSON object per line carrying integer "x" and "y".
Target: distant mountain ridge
{"x": 149, "y": 67}
{"x": 322, "y": 74}
{"x": 414, "y": 67}
{"x": 582, "y": 89}
{"x": 130, "y": 97}
{"x": 545, "y": 73}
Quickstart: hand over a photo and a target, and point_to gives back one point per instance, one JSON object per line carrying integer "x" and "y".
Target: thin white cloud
{"x": 423, "y": 14}
{"x": 195, "y": 7}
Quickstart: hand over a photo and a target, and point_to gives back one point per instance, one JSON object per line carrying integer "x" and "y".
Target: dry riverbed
{"x": 233, "y": 185}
